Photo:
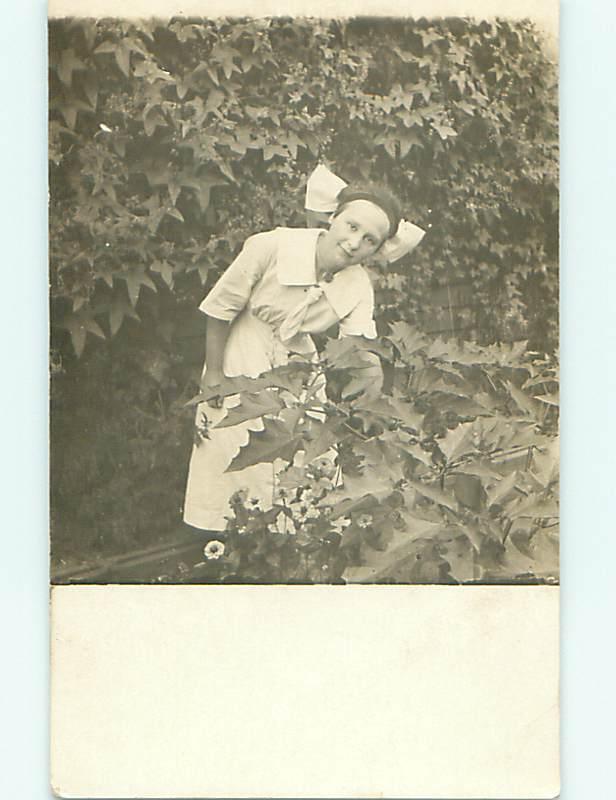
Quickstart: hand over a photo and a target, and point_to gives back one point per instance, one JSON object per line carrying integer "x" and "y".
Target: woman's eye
{"x": 370, "y": 242}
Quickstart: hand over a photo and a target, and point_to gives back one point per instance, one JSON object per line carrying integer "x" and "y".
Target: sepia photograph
{"x": 304, "y": 300}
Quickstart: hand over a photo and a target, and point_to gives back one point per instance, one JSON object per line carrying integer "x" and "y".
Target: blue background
{"x": 588, "y": 280}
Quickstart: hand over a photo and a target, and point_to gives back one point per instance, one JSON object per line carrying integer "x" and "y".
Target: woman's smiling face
{"x": 356, "y": 233}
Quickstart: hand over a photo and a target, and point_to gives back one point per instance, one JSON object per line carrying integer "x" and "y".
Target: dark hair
{"x": 378, "y": 195}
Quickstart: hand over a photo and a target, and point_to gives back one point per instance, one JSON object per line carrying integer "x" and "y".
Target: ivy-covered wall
{"x": 170, "y": 143}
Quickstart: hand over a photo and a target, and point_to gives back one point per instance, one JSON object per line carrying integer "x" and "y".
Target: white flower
{"x": 213, "y": 550}
{"x": 324, "y": 466}
{"x": 307, "y": 496}
{"x": 364, "y": 520}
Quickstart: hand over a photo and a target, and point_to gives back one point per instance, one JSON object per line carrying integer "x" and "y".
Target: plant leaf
{"x": 134, "y": 281}
{"x": 522, "y": 400}
{"x": 458, "y": 442}
{"x": 251, "y": 406}
{"x": 499, "y": 492}
{"x": 273, "y": 442}
{"x": 436, "y": 495}
{"x": 327, "y": 435}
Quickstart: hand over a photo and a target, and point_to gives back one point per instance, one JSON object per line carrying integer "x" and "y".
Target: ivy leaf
{"x": 79, "y": 325}
{"x": 271, "y": 150}
{"x": 90, "y": 87}
{"x": 224, "y": 55}
{"x": 275, "y": 441}
{"x": 121, "y": 51}
{"x": 106, "y": 47}
{"x": 403, "y": 55}
{"x": 214, "y": 99}
{"x": 444, "y": 131}
{"x": 202, "y": 186}
{"x": 153, "y": 118}
{"x": 311, "y": 142}
{"x": 408, "y": 140}
{"x": 122, "y": 56}
{"x": 69, "y": 111}
{"x": 174, "y": 190}
{"x": 252, "y": 406}
{"x": 175, "y": 213}
{"x": 68, "y": 64}
{"x": 105, "y": 272}
{"x": 165, "y": 270}
{"x": 388, "y": 143}
{"x": 429, "y": 37}
{"x": 226, "y": 170}
{"x": 120, "y": 308}
{"x": 135, "y": 279}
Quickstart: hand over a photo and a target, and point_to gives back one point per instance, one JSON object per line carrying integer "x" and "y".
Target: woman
{"x": 284, "y": 285}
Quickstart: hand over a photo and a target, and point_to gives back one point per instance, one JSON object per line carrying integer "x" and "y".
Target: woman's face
{"x": 355, "y": 234}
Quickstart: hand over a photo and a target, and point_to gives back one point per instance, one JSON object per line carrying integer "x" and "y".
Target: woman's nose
{"x": 354, "y": 241}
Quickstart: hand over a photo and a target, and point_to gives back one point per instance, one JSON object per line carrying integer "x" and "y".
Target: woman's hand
{"x": 213, "y": 379}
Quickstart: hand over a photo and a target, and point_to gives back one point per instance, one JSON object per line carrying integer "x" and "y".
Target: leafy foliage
{"x": 452, "y": 477}
{"x": 171, "y": 142}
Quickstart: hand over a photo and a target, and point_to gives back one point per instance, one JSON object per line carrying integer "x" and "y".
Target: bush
{"x": 450, "y": 477}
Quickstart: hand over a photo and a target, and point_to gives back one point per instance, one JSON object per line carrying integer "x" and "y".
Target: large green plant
{"x": 450, "y": 477}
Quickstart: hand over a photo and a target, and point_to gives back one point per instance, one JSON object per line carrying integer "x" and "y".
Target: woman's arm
{"x": 217, "y": 333}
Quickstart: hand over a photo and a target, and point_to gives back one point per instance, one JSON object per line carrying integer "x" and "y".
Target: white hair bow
{"x": 406, "y": 238}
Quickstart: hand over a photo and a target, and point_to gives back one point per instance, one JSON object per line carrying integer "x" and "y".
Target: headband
{"x": 379, "y": 197}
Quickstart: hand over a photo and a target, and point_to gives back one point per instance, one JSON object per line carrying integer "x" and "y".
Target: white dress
{"x": 271, "y": 284}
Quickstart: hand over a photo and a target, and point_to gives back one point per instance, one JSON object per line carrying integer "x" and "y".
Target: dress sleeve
{"x": 360, "y": 321}
{"x": 233, "y": 289}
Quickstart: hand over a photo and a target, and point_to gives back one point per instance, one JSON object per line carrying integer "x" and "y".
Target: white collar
{"x": 296, "y": 256}
{"x": 296, "y": 266}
